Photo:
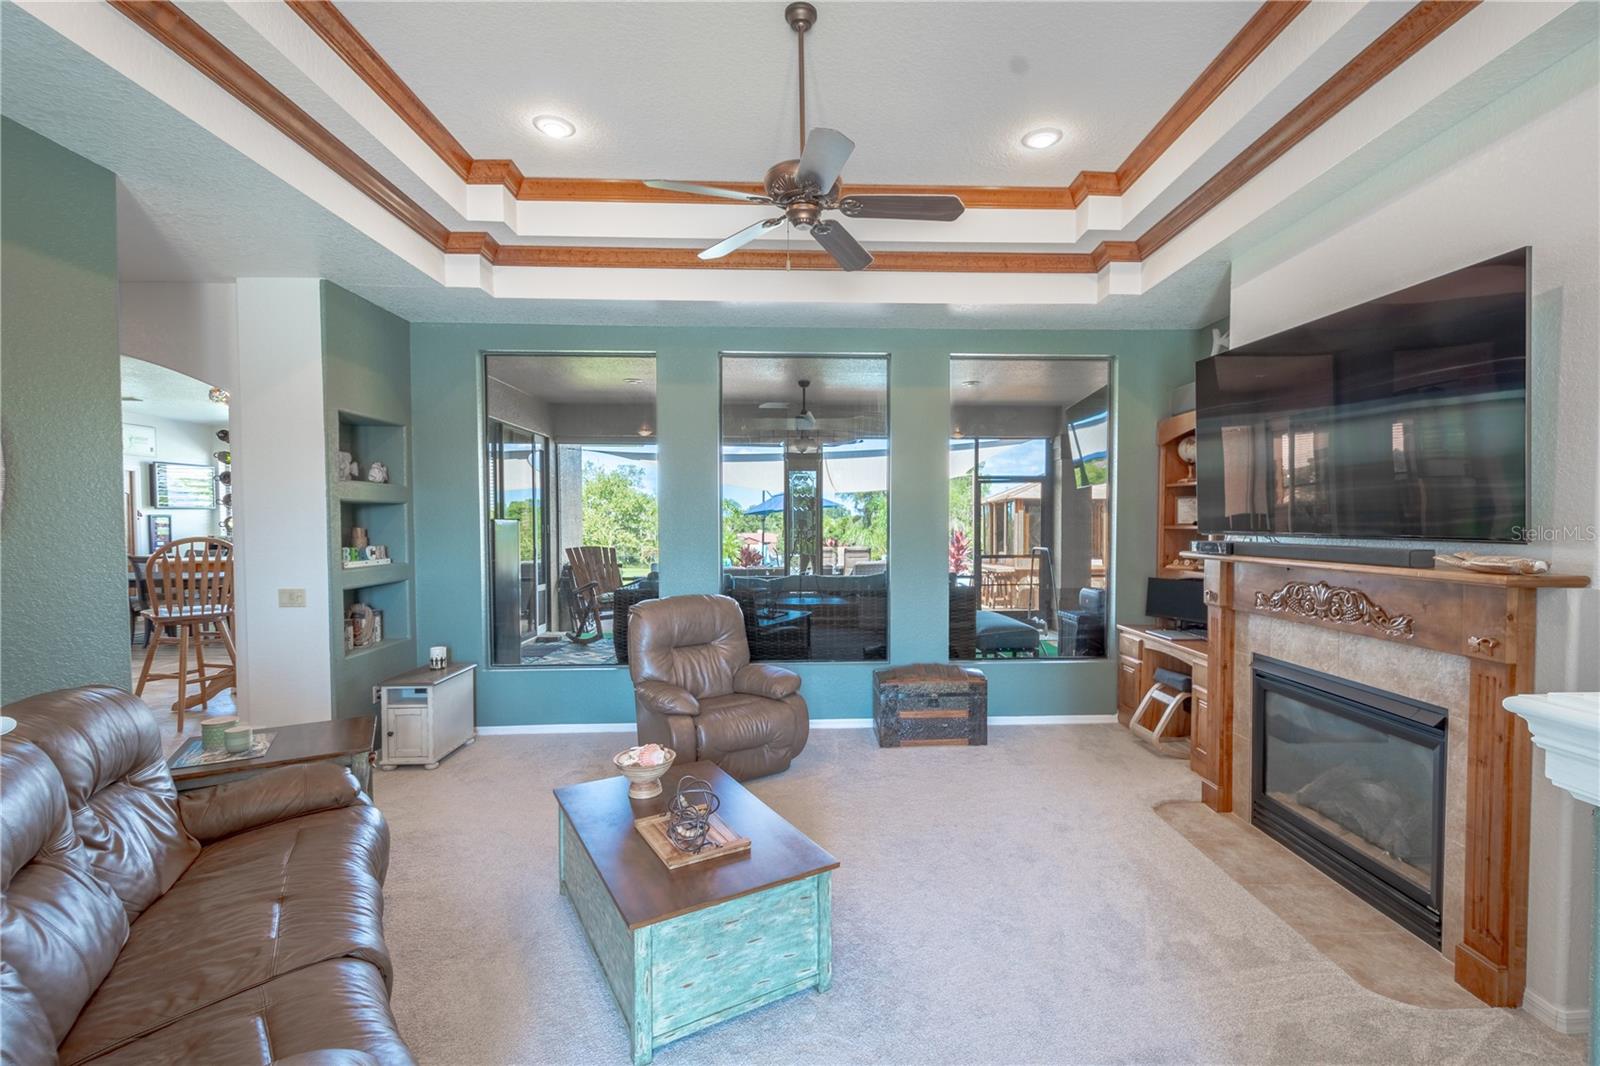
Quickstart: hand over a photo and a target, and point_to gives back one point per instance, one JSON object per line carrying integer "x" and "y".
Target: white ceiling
{"x": 577, "y": 378}
{"x": 1004, "y": 381}
{"x": 771, "y": 378}
{"x": 930, "y": 92}
{"x": 153, "y": 391}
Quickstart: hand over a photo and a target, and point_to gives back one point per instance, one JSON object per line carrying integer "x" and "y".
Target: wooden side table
{"x": 349, "y": 742}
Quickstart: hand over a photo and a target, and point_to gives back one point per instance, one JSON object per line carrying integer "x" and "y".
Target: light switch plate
{"x": 291, "y": 597}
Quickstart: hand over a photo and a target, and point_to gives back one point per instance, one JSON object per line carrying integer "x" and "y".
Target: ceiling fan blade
{"x": 925, "y": 208}
{"x": 740, "y": 239}
{"x": 837, "y": 242}
{"x": 709, "y": 190}
{"x": 773, "y": 405}
{"x": 823, "y": 159}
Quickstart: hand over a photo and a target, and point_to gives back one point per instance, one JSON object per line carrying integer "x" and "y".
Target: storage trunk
{"x": 930, "y": 704}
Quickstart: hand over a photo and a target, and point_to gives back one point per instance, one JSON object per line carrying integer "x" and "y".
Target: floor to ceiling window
{"x": 805, "y": 503}
{"x": 1030, "y": 527}
{"x": 572, "y": 528}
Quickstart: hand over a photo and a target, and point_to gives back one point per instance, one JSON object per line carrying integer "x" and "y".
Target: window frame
{"x": 886, "y": 358}
{"x": 488, "y": 489}
{"x": 1060, "y": 466}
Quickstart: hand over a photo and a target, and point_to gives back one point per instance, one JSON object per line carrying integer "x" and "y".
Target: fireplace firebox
{"x": 1352, "y": 779}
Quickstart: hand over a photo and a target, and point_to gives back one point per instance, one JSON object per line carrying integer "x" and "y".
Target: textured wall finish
{"x": 366, "y": 361}
{"x": 62, "y": 547}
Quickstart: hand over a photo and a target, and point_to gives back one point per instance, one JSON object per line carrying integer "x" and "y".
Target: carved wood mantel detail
{"x": 1335, "y": 603}
{"x": 1487, "y": 619}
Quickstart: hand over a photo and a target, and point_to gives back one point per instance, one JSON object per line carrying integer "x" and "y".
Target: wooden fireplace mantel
{"x": 1486, "y": 618}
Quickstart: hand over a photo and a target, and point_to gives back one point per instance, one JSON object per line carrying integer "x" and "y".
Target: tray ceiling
{"x": 250, "y": 142}
{"x": 930, "y": 92}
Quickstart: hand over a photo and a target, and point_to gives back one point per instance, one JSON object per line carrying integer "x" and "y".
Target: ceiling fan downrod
{"x": 801, "y": 16}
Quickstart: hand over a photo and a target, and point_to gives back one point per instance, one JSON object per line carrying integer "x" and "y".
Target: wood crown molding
{"x": 168, "y": 24}
{"x": 623, "y": 258}
{"x": 324, "y": 17}
{"x": 1394, "y": 46}
{"x": 335, "y": 30}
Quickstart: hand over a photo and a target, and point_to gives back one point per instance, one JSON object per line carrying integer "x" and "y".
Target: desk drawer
{"x": 1129, "y": 646}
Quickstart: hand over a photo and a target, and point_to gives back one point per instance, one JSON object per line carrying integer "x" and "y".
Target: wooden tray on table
{"x": 654, "y": 831}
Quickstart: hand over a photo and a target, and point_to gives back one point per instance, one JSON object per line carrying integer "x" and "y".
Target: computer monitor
{"x": 1181, "y": 599}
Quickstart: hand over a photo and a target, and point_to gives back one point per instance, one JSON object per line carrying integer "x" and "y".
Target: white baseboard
{"x": 1568, "y": 1021}
{"x": 816, "y": 723}
{"x": 559, "y": 727}
{"x": 1054, "y": 719}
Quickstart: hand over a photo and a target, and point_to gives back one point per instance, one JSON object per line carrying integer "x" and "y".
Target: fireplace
{"x": 1352, "y": 779}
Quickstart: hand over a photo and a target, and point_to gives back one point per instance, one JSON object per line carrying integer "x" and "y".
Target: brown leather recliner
{"x": 697, "y": 692}
{"x": 240, "y": 923}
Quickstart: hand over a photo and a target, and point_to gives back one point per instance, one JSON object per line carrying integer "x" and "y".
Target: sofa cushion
{"x": 999, "y": 632}
{"x": 342, "y": 1003}
{"x": 60, "y": 927}
{"x": 25, "y": 1036}
{"x": 252, "y": 907}
{"x": 107, "y": 748}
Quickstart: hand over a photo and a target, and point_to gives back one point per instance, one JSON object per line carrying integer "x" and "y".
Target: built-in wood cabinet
{"x": 1176, "y": 499}
{"x": 1140, "y": 653}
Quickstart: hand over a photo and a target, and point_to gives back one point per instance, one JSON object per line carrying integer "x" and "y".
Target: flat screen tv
{"x": 1404, "y": 417}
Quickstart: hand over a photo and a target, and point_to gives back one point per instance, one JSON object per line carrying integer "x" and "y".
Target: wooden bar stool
{"x": 190, "y": 588}
{"x": 1172, "y": 691}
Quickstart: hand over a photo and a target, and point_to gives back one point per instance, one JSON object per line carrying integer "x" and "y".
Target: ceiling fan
{"x": 806, "y": 187}
{"x": 805, "y": 421}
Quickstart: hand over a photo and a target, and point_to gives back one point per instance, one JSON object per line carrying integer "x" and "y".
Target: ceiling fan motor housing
{"x": 782, "y": 183}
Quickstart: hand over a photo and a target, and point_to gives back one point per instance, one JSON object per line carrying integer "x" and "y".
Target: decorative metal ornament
{"x": 1336, "y": 604}
{"x": 689, "y": 815}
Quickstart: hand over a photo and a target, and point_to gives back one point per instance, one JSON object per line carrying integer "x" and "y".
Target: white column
{"x": 1566, "y": 727}
{"x": 281, "y": 511}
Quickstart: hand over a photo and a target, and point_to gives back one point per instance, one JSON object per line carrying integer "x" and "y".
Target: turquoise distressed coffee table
{"x": 684, "y": 949}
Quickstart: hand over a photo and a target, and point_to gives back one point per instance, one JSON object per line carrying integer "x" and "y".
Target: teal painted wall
{"x": 448, "y": 418}
{"x": 63, "y": 553}
{"x": 366, "y": 377}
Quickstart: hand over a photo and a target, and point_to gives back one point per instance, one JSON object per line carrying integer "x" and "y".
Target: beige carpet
{"x": 1018, "y": 903}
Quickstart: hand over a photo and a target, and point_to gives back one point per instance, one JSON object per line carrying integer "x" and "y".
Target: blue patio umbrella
{"x": 774, "y": 505}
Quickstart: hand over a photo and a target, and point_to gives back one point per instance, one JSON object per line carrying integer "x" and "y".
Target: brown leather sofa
{"x": 235, "y": 924}
{"x": 696, "y": 691}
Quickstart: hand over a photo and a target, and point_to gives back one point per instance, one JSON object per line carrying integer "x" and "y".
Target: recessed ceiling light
{"x": 971, "y": 383}
{"x": 633, "y": 381}
{"x": 555, "y": 126}
{"x": 132, "y": 399}
{"x": 1041, "y": 138}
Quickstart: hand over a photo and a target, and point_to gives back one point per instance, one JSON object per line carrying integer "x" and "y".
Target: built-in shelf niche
{"x": 393, "y": 599}
{"x": 369, "y": 440}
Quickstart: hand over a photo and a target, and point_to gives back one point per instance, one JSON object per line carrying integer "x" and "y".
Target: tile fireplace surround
{"x": 1462, "y": 641}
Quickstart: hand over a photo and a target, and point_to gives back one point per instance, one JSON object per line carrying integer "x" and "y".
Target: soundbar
{"x": 1407, "y": 558}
